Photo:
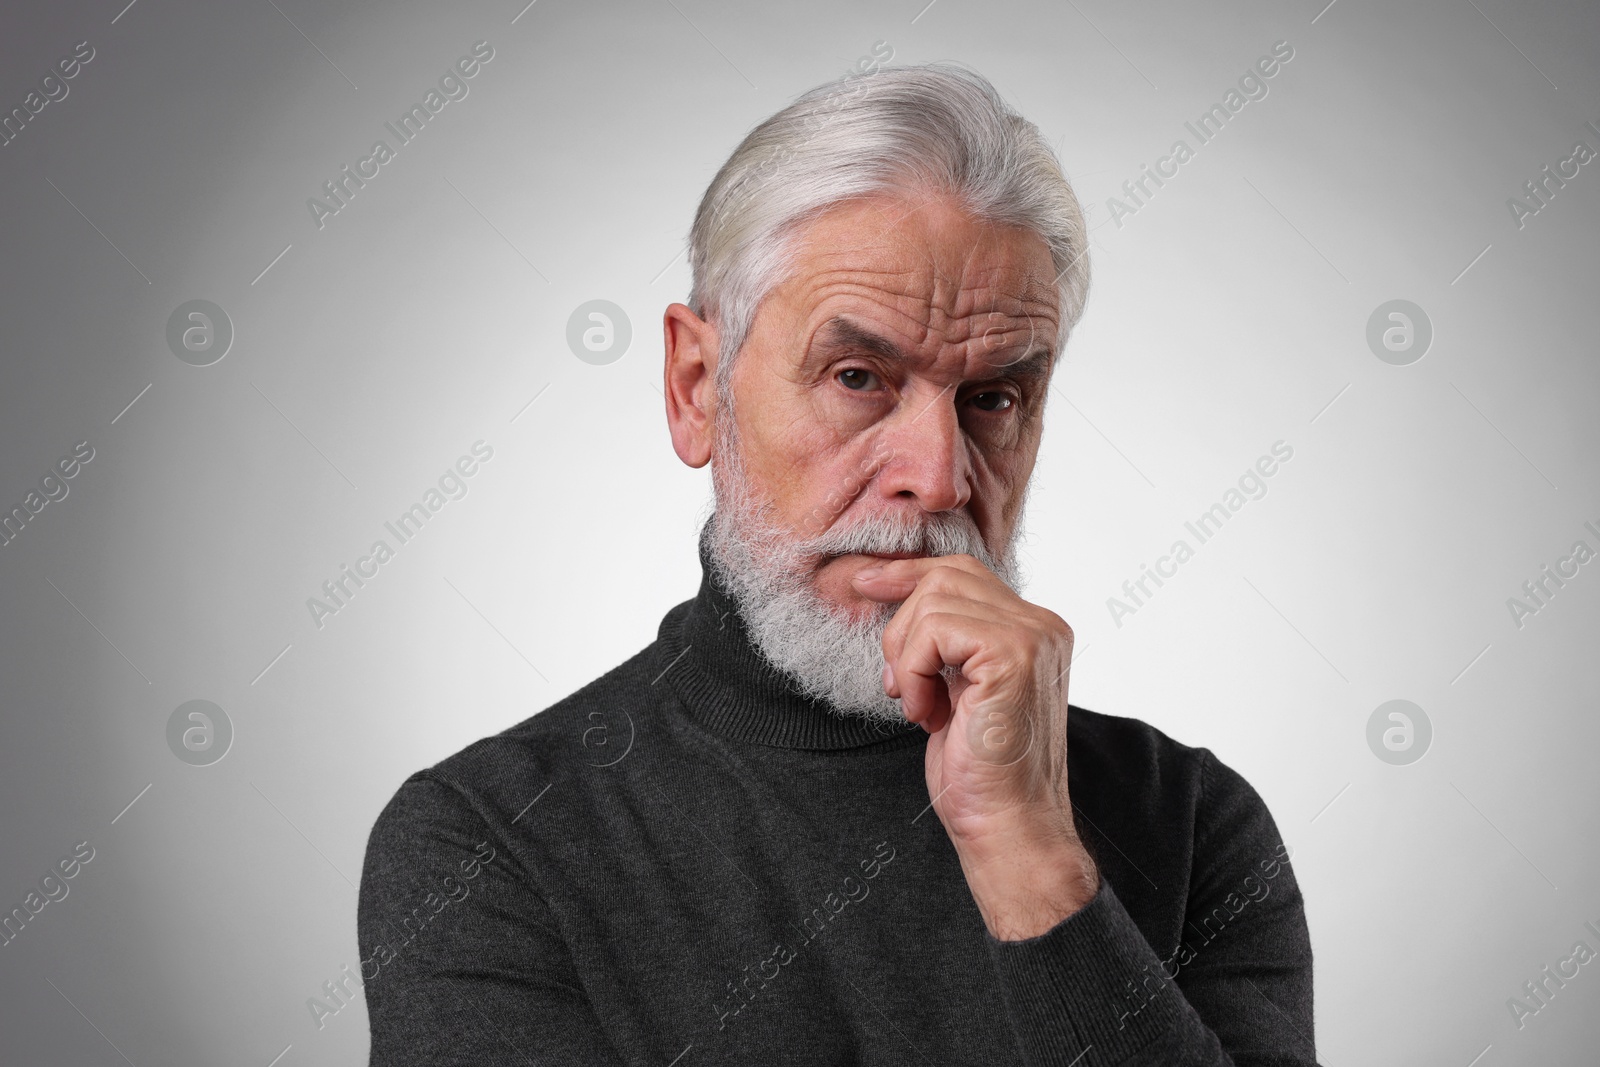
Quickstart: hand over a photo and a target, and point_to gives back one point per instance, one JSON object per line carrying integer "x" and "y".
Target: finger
{"x": 900, "y": 576}
{"x": 964, "y": 578}
{"x": 937, "y": 640}
{"x": 928, "y": 599}
{"x": 905, "y": 581}
{"x": 874, "y": 584}
{"x": 922, "y": 695}
{"x": 938, "y": 720}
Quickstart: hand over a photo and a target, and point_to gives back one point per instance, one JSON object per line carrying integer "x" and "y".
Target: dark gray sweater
{"x": 686, "y": 862}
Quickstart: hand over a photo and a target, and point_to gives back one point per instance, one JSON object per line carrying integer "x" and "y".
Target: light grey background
{"x": 1228, "y": 313}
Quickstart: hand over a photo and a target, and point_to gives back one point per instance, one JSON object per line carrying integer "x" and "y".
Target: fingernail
{"x": 888, "y": 678}
{"x": 868, "y": 574}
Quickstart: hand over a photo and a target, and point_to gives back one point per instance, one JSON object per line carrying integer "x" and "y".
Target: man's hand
{"x": 997, "y": 754}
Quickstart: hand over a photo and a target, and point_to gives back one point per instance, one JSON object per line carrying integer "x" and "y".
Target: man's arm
{"x": 461, "y": 960}
{"x": 997, "y": 775}
{"x": 1092, "y": 991}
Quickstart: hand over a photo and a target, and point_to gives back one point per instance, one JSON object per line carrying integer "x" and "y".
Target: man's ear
{"x": 689, "y": 383}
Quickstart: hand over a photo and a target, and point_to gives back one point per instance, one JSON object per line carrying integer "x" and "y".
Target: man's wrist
{"x": 1024, "y": 890}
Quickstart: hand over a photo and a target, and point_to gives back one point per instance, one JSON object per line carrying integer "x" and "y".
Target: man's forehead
{"x": 928, "y": 250}
{"x": 1009, "y": 345}
{"x": 851, "y": 304}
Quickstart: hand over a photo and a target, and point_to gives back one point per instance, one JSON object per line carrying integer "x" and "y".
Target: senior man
{"x": 840, "y": 811}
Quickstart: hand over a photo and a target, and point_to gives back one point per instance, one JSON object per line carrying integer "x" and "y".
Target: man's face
{"x": 900, "y": 372}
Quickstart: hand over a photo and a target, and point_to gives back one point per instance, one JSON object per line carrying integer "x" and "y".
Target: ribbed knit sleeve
{"x": 462, "y": 963}
{"x": 1236, "y": 990}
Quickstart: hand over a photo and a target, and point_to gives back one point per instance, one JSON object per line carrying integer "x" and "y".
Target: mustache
{"x": 941, "y": 534}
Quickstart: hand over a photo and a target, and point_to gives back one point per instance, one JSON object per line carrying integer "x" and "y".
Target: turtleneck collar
{"x": 730, "y": 688}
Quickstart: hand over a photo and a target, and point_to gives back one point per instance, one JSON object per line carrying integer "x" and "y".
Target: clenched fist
{"x": 985, "y": 673}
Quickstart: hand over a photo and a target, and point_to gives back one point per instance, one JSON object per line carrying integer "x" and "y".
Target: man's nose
{"x": 929, "y": 457}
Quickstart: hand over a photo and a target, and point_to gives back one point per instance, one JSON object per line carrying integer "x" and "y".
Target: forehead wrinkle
{"x": 916, "y": 296}
{"x": 986, "y": 294}
{"x": 1042, "y": 312}
{"x": 918, "y": 328}
{"x": 1032, "y": 345}
{"x": 962, "y": 284}
{"x": 928, "y": 254}
{"x": 848, "y": 288}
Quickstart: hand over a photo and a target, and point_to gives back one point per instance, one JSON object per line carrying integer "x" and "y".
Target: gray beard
{"x": 769, "y": 571}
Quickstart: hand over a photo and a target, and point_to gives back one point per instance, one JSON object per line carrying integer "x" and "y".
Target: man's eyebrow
{"x": 838, "y": 334}
{"x": 841, "y": 334}
{"x": 1033, "y": 367}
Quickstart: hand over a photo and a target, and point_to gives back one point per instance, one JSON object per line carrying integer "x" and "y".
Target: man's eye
{"x": 993, "y": 401}
{"x": 857, "y": 378}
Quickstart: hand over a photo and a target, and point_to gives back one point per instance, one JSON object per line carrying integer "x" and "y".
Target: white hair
{"x": 936, "y": 127}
